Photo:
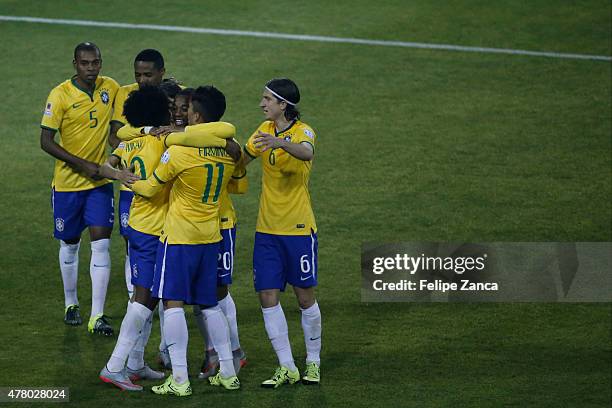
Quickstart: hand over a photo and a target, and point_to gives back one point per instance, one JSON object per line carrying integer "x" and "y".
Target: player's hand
{"x": 126, "y": 177}
{"x": 233, "y": 149}
{"x": 160, "y": 131}
{"x": 265, "y": 141}
{"x": 91, "y": 170}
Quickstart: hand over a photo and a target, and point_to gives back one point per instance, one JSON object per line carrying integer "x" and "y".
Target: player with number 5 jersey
{"x": 80, "y": 110}
{"x": 286, "y": 248}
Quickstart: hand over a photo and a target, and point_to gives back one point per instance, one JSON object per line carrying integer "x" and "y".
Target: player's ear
{"x": 74, "y": 63}
{"x": 163, "y": 72}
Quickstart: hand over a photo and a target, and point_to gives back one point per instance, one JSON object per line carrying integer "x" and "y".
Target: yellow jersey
{"x": 122, "y": 96}
{"x": 200, "y": 176}
{"x": 82, "y": 120}
{"x": 238, "y": 184}
{"x": 118, "y": 116}
{"x": 146, "y": 215}
{"x": 284, "y": 204}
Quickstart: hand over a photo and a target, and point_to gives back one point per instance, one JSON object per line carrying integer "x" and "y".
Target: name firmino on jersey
{"x": 212, "y": 151}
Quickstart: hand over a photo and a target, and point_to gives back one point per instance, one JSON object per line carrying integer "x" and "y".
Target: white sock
{"x": 136, "y": 358}
{"x": 278, "y": 333}
{"x": 69, "y": 266}
{"x": 201, "y": 322}
{"x": 217, "y": 327}
{"x": 177, "y": 337}
{"x": 311, "y": 324}
{"x": 99, "y": 270}
{"x": 162, "y": 338}
{"x": 228, "y": 307}
{"x": 131, "y": 327}
{"x": 128, "y": 276}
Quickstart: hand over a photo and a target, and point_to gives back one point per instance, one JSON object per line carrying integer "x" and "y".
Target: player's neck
{"x": 282, "y": 124}
{"x": 86, "y": 85}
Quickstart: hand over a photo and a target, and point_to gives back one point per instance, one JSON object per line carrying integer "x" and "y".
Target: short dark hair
{"x": 289, "y": 91}
{"x": 147, "y": 106}
{"x": 86, "y": 46}
{"x": 209, "y": 102}
{"x": 170, "y": 86}
{"x": 151, "y": 55}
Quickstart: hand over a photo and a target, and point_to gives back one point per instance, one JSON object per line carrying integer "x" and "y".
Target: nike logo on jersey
{"x": 76, "y": 105}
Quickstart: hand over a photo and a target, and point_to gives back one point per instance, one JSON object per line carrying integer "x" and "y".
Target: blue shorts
{"x": 73, "y": 211}
{"x": 125, "y": 201}
{"x": 187, "y": 273}
{"x": 143, "y": 251}
{"x": 225, "y": 263}
{"x": 282, "y": 259}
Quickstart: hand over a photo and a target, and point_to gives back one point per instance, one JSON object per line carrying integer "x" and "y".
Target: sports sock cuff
{"x": 142, "y": 311}
{"x": 312, "y": 310}
{"x": 100, "y": 245}
{"x": 273, "y": 309}
{"x": 211, "y": 310}
{"x": 173, "y": 311}
{"x": 70, "y": 247}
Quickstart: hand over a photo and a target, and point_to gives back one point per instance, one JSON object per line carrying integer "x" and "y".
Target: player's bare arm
{"x": 302, "y": 151}
{"x": 113, "y": 140}
{"x": 49, "y": 145}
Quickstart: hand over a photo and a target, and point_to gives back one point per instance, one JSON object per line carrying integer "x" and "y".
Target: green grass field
{"x": 414, "y": 145}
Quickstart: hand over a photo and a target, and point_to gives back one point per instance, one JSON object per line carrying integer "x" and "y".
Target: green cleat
{"x": 230, "y": 383}
{"x": 99, "y": 325}
{"x": 72, "y": 316}
{"x": 312, "y": 375}
{"x": 171, "y": 387}
{"x": 281, "y": 376}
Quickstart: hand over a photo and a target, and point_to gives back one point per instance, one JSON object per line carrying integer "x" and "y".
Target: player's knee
{"x": 68, "y": 242}
{"x": 268, "y": 298}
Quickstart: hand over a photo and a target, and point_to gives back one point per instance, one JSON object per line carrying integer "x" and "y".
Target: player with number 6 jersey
{"x": 286, "y": 247}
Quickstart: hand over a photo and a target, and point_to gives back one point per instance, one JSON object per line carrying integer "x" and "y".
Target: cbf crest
{"x": 104, "y": 97}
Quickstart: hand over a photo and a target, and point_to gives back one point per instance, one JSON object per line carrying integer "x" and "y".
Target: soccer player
{"x": 149, "y": 70}
{"x": 186, "y": 266}
{"x": 148, "y": 105}
{"x": 285, "y": 249}
{"x": 80, "y": 110}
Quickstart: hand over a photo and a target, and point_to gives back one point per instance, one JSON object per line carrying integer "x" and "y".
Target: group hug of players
{"x": 178, "y": 164}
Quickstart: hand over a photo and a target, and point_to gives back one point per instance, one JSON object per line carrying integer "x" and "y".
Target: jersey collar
{"x": 76, "y": 85}
{"x": 284, "y": 130}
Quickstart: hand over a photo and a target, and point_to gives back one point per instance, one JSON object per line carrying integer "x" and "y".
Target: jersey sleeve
{"x": 168, "y": 166}
{"x": 250, "y": 147}
{"x": 54, "y": 111}
{"x": 204, "y": 135}
{"x": 120, "y": 98}
{"x": 128, "y": 132}
{"x": 118, "y": 152}
{"x": 305, "y": 135}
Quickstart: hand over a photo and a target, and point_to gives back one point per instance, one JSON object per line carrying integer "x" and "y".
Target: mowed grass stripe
{"x": 305, "y": 37}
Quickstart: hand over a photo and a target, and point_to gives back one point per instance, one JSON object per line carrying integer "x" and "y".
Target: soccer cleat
{"x": 281, "y": 376}
{"x": 163, "y": 358}
{"x": 72, "y": 316}
{"x": 145, "y": 373}
{"x": 171, "y": 387}
{"x": 119, "y": 379}
{"x": 210, "y": 365}
{"x": 230, "y": 383}
{"x": 312, "y": 375}
{"x": 240, "y": 359}
{"x": 99, "y": 325}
